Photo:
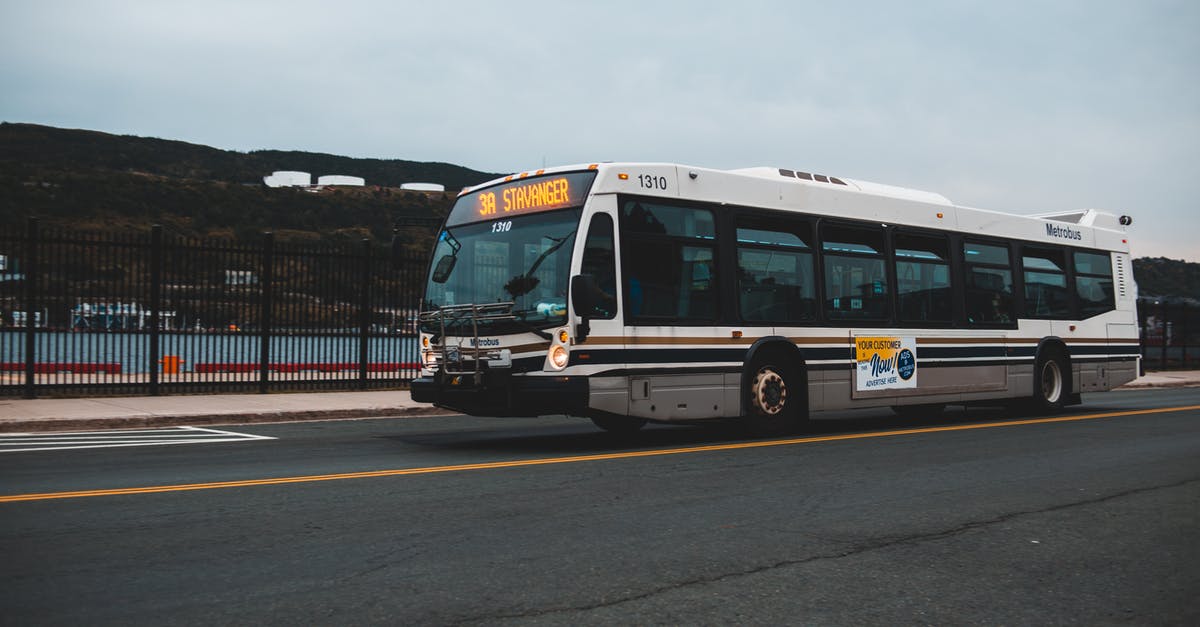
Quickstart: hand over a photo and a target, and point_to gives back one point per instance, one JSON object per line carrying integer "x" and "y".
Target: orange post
{"x": 171, "y": 364}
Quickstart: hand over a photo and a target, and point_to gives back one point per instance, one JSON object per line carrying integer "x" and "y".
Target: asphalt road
{"x": 977, "y": 516}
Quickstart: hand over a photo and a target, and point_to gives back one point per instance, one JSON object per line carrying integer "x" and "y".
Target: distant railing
{"x": 1170, "y": 333}
{"x": 104, "y": 314}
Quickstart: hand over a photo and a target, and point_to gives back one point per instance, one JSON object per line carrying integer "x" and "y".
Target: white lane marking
{"x": 26, "y": 442}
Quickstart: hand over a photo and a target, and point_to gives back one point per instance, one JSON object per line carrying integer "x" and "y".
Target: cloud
{"x": 1015, "y": 106}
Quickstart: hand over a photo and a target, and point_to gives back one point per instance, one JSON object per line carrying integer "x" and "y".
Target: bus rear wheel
{"x": 776, "y": 398}
{"x": 1051, "y": 387}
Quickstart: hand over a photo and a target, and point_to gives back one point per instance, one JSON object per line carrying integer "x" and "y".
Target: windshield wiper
{"x": 524, "y": 283}
{"x": 445, "y": 265}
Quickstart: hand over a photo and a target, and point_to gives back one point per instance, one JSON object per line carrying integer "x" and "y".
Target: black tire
{"x": 1051, "y": 381}
{"x": 928, "y": 410}
{"x": 776, "y": 396}
{"x": 619, "y": 425}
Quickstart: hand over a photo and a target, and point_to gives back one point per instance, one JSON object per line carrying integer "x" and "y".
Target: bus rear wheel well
{"x": 1052, "y": 376}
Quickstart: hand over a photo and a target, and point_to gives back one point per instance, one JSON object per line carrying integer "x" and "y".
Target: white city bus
{"x": 634, "y": 292}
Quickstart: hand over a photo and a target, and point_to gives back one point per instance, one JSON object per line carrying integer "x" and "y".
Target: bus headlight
{"x": 558, "y": 357}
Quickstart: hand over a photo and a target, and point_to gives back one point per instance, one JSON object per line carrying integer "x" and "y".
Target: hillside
{"x": 91, "y": 179}
{"x": 1159, "y": 277}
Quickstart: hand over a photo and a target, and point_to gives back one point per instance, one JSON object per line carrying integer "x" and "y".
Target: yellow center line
{"x": 398, "y": 472}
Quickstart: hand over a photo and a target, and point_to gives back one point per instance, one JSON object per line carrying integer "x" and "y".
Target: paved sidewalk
{"x": 80, "y": 414}
{"x": 76, "y": 414}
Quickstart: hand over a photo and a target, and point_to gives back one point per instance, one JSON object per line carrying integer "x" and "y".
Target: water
{"x": 131, "y": 350}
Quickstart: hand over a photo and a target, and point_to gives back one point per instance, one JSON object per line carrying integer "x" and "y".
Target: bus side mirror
{"x": 583, "y": 291}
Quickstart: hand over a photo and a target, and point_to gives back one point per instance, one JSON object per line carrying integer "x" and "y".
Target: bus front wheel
{"x": 619, "y": 425}
{"x": 776, "y": 398}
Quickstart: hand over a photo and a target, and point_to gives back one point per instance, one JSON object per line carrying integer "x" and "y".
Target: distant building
{"x": 21, "y": 319}
{"x": 240, "y": 277}
{"x": 116, "y": 316}
{"x": 288, "y": 178}
{"x": 423, "y": 187}
{"x": 8, "y": 273}
{"x": 339, "y": 179}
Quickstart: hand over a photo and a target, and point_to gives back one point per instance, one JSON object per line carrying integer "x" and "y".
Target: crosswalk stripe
{"x": 27, "y": 442}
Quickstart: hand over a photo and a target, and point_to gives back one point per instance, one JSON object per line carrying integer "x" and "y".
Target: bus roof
{"x": 784, "y": 188}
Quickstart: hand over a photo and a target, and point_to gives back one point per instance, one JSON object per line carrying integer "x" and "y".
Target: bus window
{"x": 669, "y": 262}
{"x": 599, "y": 262}
{"x": 856, "y": 285}
{"x": 1094, "y": 283}
{"x": 775, "y": 271}
{"x": 989, "y": 284}
{"x": 652, "y": 219}
{"x": 923, "y": 278}
{"x": 1046, "y": 294}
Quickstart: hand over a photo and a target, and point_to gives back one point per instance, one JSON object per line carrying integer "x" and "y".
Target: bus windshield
{"x": 510, "y": 243}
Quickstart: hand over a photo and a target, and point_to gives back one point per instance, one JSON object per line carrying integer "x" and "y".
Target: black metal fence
{"x": 102, "y": 314}
{"x": 1170, "y": 333}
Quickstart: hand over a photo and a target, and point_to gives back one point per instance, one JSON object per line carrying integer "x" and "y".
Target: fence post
{"x": 1166, "y": 326}
{"x": 1141, "y": 316}
{"x": 1183, "y": 334}
{"x": 155, "y": 303}
{"x": 30, "y": 270}
{"x": 364, "y": 309}
{"x": 264, "y": 356}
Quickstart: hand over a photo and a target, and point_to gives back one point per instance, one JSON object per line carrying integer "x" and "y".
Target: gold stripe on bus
{"x": 720, "y": 341}
{"x": 966, "y": 340}
{"x": 529, "y": 348}
{"x": 597, "y": 340}
{"x": 673, "y": 340}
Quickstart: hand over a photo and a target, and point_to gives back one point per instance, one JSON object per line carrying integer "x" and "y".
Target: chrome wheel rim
{"x": 769, "y": 392}
{"x": 1052, "y": 381}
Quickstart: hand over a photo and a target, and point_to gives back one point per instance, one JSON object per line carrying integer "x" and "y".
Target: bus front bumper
{"x": 497, "y": 393}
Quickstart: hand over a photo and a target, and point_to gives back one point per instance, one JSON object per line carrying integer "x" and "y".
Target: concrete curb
{"x": 1158, "y": 380}
{"x": 142, "y": 421}
{"x": 148, "y": 413}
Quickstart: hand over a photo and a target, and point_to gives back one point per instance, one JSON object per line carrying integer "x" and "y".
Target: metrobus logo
{"x": 1053, "y": 230}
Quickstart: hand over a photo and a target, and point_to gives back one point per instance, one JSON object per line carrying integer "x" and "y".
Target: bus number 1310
{"x": 652, "y": 182}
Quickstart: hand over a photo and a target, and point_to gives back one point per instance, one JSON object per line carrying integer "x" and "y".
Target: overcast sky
{"x": 1015, "y": 106}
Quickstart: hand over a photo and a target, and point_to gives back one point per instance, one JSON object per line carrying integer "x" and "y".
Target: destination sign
{"x": 531, "y": 195}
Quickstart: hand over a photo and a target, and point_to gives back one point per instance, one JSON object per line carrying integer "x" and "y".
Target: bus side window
{"x": 856, "y": 285}
{"x": 989, "y": 284}
{"x": 923, "y": 278}
{"x": 1046, "y": 292}
{"x": 775, "y": 269}
{"x": 1094, "y": 283}
{"x": 669, "y": 262}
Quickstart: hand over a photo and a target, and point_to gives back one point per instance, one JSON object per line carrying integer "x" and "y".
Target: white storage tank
{"x": 288, "y": 178}
{"x": 339, "y": 179}
{"x": 423, "y": 187}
